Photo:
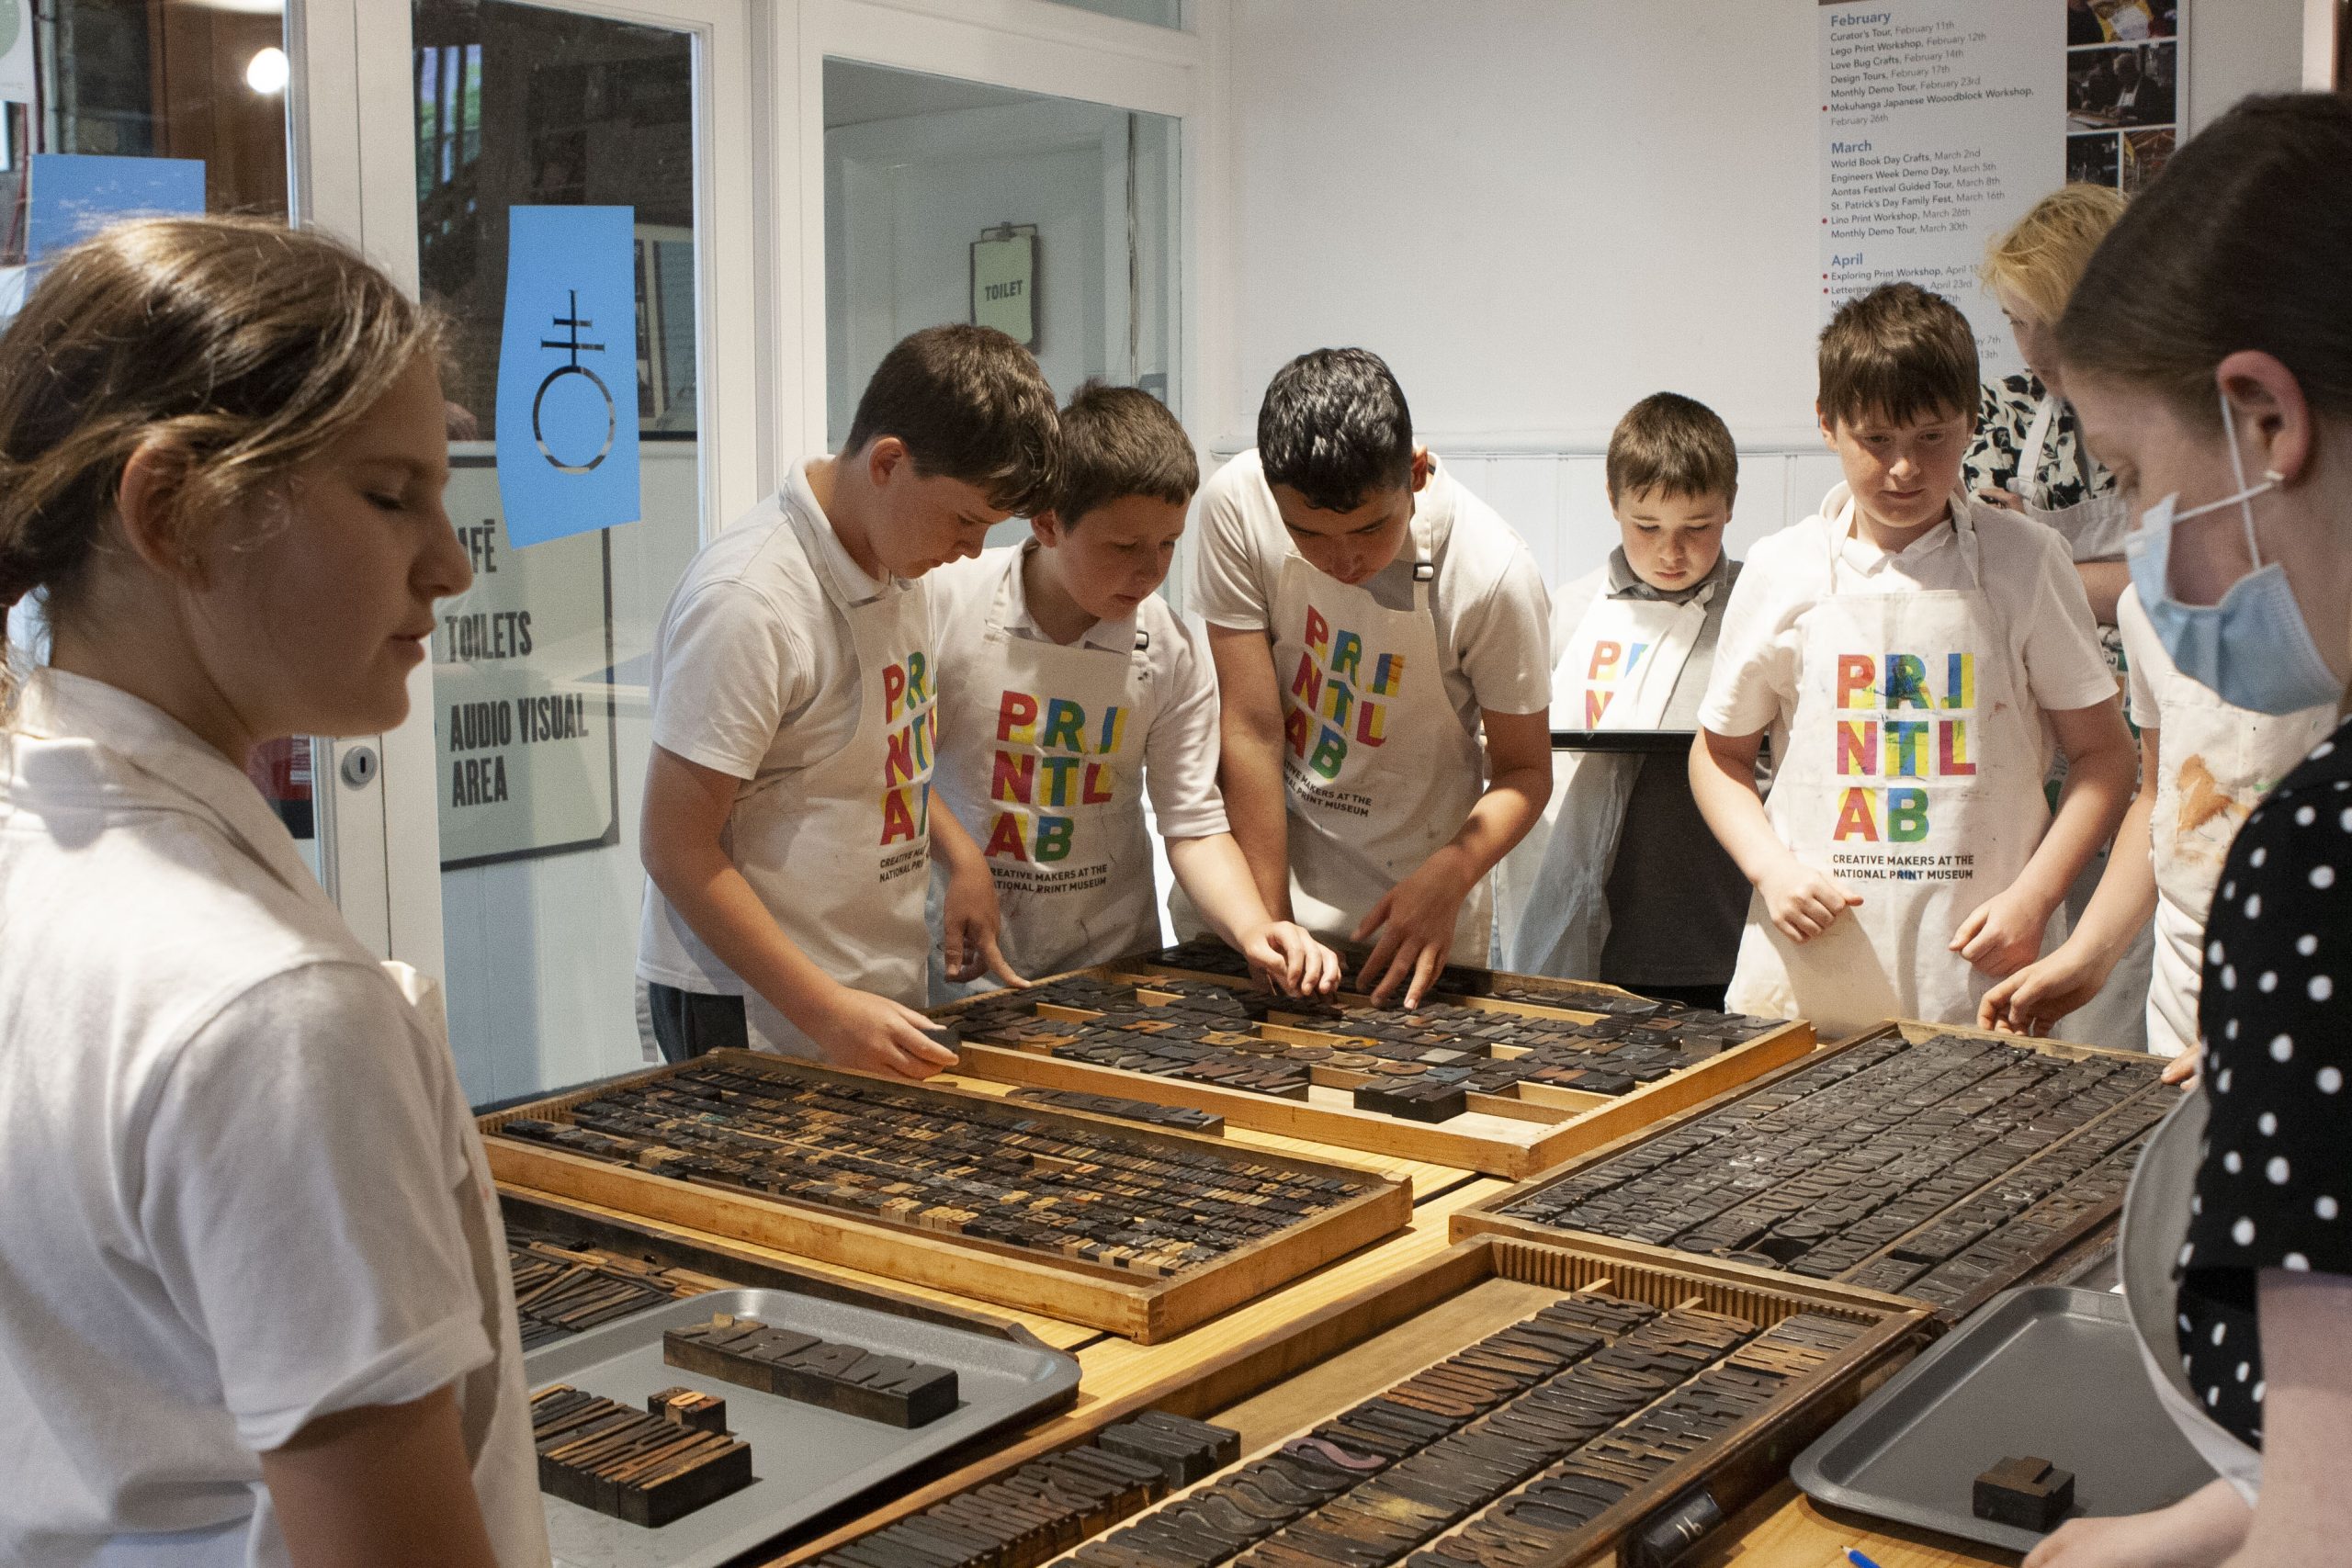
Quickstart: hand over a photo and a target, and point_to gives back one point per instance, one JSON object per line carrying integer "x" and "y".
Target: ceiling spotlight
{"x": 267, "y": 72}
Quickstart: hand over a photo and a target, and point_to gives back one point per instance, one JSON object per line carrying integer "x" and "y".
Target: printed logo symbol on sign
{"x": 1048, "y": 761}
{"x": 1329, "y": 705}
{"x": 913, "y": 719}
{"x": 1929, "y": 747}
{"x": 573, "y": 345}
{"x": 1613, "y": 665}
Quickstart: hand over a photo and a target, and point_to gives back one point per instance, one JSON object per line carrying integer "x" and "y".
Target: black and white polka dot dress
{"x": 2274, "y": 1187}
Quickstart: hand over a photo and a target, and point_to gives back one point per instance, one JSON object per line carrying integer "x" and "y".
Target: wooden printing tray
{"x": 1143, "y": 1309}
{"x": 1512, "y": 1136}
{"x": 2088, "y": 1240}
{"x": 1287, "y": 1381}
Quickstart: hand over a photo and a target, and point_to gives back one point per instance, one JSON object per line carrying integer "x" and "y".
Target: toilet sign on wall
{"x": 567, "y": 373}
{"x": 1004, "y": 282}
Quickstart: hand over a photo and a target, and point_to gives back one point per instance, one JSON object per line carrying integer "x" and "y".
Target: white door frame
{"x": 760, "y": 223}
{"x": 352, "y": 151}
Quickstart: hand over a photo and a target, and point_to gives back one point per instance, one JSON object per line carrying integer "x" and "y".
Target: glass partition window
{"x": 954, "y": 201}
{"x": 540, "y": 722}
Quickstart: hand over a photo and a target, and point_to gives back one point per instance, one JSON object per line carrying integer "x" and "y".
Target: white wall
{"x": 1540, "y": 211}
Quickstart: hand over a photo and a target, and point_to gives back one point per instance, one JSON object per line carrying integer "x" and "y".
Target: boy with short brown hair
{"x": 788, "y": 830}
{"x": 1909, "y": 652}
{"x": 1621, "y": 881}
{"x": 1067, "y": 689}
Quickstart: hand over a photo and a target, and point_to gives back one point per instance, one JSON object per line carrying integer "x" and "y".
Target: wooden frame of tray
{"x": 1101, "y": 1296}
{"x": 2081, "y": 1244}
{"x": 1736, "y": 1468}
{"x": 1513, "y": 1135}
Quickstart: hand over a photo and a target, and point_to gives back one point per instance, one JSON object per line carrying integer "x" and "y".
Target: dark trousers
{"x": 1708, "y": 997}
{"x": 687, "y": 1023}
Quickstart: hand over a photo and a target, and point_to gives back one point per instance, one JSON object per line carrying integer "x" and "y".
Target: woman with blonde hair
{"x": 254, "y": 1298}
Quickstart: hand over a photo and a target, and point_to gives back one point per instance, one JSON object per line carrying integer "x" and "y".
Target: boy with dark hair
{"x": 786, "y": 828}
{"x": 1621, "y": 881}
{"x": 1370, "y": 620}
{"x": 1067, "y": 687}
{"x": 1910, "y": 651}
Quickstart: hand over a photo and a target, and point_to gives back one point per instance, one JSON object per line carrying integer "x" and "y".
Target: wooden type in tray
{"x": 646, "y": 1467}
{"x": 561, "y": 1290}
{"x": 1914, "y": 1162}
{"x": 1335, "y": 1075}
{"x": 1125, "y": 1228}
{"x": 1546, "y": 1398}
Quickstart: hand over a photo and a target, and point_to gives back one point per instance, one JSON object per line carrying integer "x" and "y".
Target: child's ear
{"x": 1046, "y": 528}
{"x": 1828, "y": 426}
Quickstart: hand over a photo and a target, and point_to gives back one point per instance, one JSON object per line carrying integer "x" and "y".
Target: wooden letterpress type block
{"x": 1411, "y": 1100}
{"x": 688, "y": 1407}
{"x": 2029, "y": 1492}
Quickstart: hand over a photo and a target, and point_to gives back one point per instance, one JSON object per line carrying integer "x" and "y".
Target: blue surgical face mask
{"x": 2252, "y": 649}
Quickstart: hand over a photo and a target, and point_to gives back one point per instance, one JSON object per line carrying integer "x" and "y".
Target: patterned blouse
{"x": 2004, "y": 419}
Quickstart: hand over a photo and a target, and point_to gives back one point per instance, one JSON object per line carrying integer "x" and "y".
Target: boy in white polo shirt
{"x": 1066, "y": 687}
{"x": 1371, "y": 621}
{"x": 1910, "y": 651}
{"x": 787, "y": 832}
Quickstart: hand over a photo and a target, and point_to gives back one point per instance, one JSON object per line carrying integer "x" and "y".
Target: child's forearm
{"x": 954, "y": 847}
{"x": 2126, "y": 897}
{"x": 1216, "y": 876}
{"x": 2101, "y": 771}
{"x": 1722, "y": 783}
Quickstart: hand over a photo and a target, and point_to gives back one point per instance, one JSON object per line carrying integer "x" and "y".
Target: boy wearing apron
{"x": 787, "y": 827}
{"x": 1371, "y": 621}
{"x": 1067, "y": 687}
{"x": 1621, "y": 881}
{"x": 1912, "y": 654}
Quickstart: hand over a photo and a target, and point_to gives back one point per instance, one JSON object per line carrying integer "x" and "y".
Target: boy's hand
{"x": 1289, "y": 958}
{"x": 2002, "y": 934}
{"x": 1803, "y": 902}
{"x": 970, "y": 922}
{"x": 1415, "y": 920}
{"x": 2034, "y": 999}
{"x": 868, "y": 1033}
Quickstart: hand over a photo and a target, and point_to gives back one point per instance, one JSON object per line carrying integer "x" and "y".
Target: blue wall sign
{"x": 76, "y": 195}
{"x": 567, "y": 373}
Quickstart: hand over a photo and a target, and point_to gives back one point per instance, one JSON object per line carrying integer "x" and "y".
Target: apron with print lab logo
{"x": 1617, "y": 672}
{"x": 839, "y": 851}
{"x": 1053, "y": 794}
{"x": 1912, "y": 775}
{"x": 1379, "y": 772}
{"x": 2214, "y": 763}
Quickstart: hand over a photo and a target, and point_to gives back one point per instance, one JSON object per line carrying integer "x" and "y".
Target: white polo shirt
{"x": 243, "y": 1189}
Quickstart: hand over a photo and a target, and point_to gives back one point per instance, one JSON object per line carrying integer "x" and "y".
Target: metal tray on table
{"x": 2049, "y": 1371}
{"x": 805, "y": 1459}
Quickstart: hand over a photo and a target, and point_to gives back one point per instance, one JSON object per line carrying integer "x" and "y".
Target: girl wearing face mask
{"x": 2209, "y": 351}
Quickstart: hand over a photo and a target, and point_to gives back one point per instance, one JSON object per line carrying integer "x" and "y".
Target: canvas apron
{"x": 2155, "y": 1226}
{"x": 839, "y": 851}
{"x": 1913, "y": 775}
{"x": 2215, "y": 762}
{"x": 1052, "y": 791}
{"x": 2094, "y": 526}
{"x": 1378, "y": 769}
{"x": 1617, "y": 672}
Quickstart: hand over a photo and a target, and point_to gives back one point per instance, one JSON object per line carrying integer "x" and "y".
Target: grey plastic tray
{"x": 804, "y": 1460}
{"x": 2049, "y": 1371}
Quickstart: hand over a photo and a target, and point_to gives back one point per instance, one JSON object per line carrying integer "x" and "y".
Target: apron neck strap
{"x": 2027, "y": 482}
{"x": 1962, "y": 526}
{"x": 1424, "y": 566}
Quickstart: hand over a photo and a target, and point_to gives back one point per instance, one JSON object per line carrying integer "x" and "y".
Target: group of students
{"x": 253, "y": 1303}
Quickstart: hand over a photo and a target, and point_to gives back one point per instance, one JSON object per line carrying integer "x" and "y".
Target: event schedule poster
{"x": 522, "y": 689}
{"x": 1942, "y": 121}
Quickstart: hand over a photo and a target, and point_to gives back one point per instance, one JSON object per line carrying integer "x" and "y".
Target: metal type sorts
{"x": 946, "y": 1162}
{"x": 1962, "y": 1160}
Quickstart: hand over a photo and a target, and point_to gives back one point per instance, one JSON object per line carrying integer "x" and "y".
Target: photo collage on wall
{"x": 2123, "y": 89}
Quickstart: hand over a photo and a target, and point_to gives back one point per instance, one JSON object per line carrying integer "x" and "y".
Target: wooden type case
{"x": 1143, "y": 1309}
{"x": 1277, "y": 1387}
{"x": 2082, "y": 1240}
{"x": 1514, "y": 1135}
